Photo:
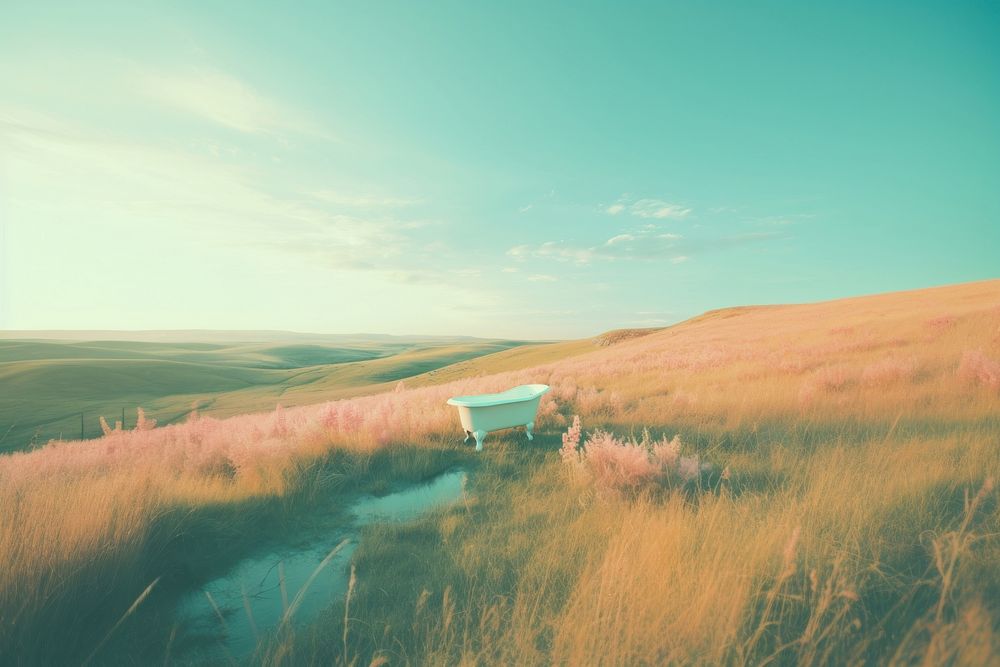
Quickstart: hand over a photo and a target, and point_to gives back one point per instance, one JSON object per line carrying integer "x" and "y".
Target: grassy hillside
{"x": 48, "y": 384}
{"x": 807, "y": 484}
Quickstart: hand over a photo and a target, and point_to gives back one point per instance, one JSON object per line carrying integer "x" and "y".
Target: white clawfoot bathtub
{"x": 491, "y": 412}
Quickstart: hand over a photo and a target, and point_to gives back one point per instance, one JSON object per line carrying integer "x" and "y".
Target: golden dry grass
{"x": 858, "y": 525}
{"x": 833, "y": 564}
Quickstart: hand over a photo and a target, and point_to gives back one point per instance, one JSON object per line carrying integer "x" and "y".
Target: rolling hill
{"x": 798, "y": 484}
{"x": 48, "y": 382}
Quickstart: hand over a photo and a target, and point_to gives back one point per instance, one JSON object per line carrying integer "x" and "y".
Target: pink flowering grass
{"x": 977, "y": 368}
{"x": 75, "y": 510}
{"x": 79, "y": 518}
{"x": 833, "y": 378}
{"x": 619, "y": 465}
{"x": 942, "y": 322}
{"x": 888, "y": 371}
{"x": 571, "y": 441}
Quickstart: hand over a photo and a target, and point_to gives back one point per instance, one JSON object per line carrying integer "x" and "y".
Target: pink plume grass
{"x": 623, "y": 466}
{"x": 976, "y": 368}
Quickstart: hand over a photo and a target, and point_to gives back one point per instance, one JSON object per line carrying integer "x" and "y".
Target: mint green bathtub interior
{"x": 483, "y": 413}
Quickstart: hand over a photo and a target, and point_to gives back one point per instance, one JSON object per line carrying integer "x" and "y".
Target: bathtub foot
{"x": 529, "y": 428}
{"x": 467, "y": 434}
{"x": 479, "y": 435}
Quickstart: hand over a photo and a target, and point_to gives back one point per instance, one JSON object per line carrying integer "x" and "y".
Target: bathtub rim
{"x": 499, "y": 398}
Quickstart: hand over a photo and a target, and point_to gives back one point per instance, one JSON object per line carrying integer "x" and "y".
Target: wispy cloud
{"x": 646, "y": 243}
{"x": 221, "y": 98}
{"x": 657, "y": 209}
{"x": 650, "y": 243}
{"x": 55, "y": 163}
{"x": 557, "y": 250}
{"x": 363, "y": 201}
{"x": 542, "y": 278}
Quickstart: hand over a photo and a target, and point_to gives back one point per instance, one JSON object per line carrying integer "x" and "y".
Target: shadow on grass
{"x": 745, "y": 481}
{"x": 416, "y": 600}
{"x": 185, "y": 546}
{"x": 809, "y": 434}
{"x": 410, "y": 577}
{"x": 878, "y": 600}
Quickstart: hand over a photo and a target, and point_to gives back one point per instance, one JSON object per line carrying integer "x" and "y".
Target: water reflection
{"x": 228, "y": 615}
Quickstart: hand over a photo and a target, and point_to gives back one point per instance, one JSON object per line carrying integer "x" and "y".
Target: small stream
{"x": 224, "y": 618}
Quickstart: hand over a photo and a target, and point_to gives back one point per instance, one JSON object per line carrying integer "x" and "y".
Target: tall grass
{"x": 856, "y": 427}
{"x": 858, "y": 527}
{"x": 877, "y": 552}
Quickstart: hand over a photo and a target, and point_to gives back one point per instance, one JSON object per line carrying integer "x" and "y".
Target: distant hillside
{"x": 223, "y": 336}
{"x": 753, "y": 359}
{"x": 48, "y": 382}
{"x": 619, "y": 335}
{"x": 827, "y": 465}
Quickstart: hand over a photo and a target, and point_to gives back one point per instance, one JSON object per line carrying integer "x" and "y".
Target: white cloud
{"x": 556, "y": 250}
{"x": 643, "y": 244}
{"x": 656, "y": 209}
{"x": 621, "y": 238}
{"x": 56, "y": 167}
{"x": 542, "y": 278}
{"x": 520, "y": 252}
{"x": 659, "y": 209}
{"x": 223, "y": 99}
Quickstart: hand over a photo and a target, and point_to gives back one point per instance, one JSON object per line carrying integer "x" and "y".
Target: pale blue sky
{"x": 515, "y": 169}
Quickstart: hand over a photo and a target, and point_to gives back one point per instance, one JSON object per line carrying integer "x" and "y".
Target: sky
{"x": 515, "y": 169}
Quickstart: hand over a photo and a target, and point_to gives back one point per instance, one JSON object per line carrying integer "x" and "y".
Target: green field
{"x": 48, "y": 384}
